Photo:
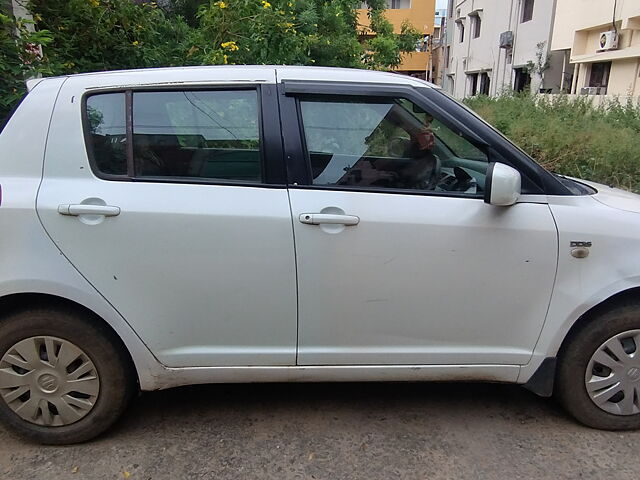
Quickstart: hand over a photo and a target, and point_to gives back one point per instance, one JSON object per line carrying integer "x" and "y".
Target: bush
{"x": 571, "y": 136}
{"x": 19, "y": 59}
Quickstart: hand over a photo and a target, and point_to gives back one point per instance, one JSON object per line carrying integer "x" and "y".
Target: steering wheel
{"x": 428, "y": 176}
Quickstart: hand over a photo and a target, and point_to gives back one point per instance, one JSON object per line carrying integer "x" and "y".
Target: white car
{"x": 266, "y": 224}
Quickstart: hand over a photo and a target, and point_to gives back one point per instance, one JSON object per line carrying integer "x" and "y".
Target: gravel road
{"x": 336, "y": 431}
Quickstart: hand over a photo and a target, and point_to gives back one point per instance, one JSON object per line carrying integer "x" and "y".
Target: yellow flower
{"x": 265, "y": 4}
{"x": 226, "y": 59}
{"x": 231, "y": 46}
{"x": 220, "y": 5}
{"x": 95, "y": 3}
{"x": 135, "y": 43}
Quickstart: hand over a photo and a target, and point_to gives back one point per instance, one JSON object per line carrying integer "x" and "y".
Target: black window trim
{"x": 271, "y": 158}
{"x": 301, "y": 90}
{"x": 497, "y": 147}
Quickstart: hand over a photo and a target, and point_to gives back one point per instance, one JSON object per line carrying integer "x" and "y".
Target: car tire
{"x": 597, "y": 380}
{"x": 76, "y": 377}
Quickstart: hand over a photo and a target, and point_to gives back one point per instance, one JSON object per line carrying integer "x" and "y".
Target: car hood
{"x": 614, "y": 197}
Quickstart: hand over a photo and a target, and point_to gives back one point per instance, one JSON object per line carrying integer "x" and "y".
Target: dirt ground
{"x": 336, "y": 431}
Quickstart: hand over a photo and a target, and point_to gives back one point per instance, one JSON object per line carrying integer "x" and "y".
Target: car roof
{"x": 244, "y": 73}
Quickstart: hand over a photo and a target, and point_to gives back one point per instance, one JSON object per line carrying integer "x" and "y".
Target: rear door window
{"x": 196, "y": 134}
{"x": 203, "y": 134}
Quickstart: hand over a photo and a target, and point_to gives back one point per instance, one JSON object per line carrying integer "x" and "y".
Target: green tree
{"x": 19, "y": 58}
{"x": 93, "y": 35}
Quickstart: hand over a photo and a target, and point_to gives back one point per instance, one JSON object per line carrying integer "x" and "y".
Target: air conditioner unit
{"x": 608, "y": 41}
{"x": 593, "y": 91}
{"x": 506, "y": 39}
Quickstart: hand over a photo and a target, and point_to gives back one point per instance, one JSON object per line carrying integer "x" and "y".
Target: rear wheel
{"x": 598, "y": 378}
{"x": 62, "y": 379}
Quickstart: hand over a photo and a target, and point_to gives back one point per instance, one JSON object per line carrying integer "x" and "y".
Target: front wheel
{"x": 598, "y": 378}
{"x": 63, "y": 379}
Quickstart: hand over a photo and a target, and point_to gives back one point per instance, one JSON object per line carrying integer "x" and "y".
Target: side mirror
{"x": 502, "y": 185}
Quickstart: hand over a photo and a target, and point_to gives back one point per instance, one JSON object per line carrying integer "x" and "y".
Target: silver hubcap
{"x": 613, "y": 374}
{"x": 48, "y": 381}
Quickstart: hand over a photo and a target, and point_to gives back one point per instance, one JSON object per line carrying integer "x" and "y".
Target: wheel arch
{"x": 542, "y": 380}
{"x": 630, "y": 295}
{"x": 21, "y": 301}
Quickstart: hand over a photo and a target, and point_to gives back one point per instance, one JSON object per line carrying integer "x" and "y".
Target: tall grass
{"x": 571, "y": 136}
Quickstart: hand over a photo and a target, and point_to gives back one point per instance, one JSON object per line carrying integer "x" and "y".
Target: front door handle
{"x": 82, "y": 209}
{"x": 329, "y": 219}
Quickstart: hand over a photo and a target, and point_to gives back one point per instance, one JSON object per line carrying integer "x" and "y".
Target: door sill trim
{"x": 175, "y": 377}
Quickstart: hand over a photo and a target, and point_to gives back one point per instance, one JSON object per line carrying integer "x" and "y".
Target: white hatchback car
{"x": 266, "y": 224}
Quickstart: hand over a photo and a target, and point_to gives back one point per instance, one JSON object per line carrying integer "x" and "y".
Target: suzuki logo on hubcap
{"x": 634, "y": 374}
{"x": 48, "y": 383}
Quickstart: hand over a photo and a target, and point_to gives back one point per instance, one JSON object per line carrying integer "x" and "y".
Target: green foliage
{"x": 19, "y": 59}
{"x": 571, "y": 136}
{"x": 93, "y": 35}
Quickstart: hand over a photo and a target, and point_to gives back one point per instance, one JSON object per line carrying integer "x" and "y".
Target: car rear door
{"x": 395, "y": 269}
{"x": 172, "y": 202}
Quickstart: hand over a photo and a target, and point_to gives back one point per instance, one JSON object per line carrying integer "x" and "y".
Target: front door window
{"x": 387, "y": 143}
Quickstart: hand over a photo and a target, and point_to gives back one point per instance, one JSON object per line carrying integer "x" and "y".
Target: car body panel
{"x": 181, "y": 260}
{"x": 32, "y": 263}
{"x": 421, "y": 279}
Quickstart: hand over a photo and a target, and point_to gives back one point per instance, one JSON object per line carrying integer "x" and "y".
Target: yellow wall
{"x": 421, "y": 15}
{"x": 623, "y": 77}
{"x": 575, "y": 15}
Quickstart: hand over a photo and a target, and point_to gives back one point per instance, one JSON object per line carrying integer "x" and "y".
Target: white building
{"x": 493, "y": 45}
{"x": 600, "y": 41}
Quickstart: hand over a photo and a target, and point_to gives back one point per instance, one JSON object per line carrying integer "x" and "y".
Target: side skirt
{"x": 175, "y": 377}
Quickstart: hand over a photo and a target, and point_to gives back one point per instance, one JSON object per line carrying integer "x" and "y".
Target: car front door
{"x": 399, "y": 259}
{"x": 179, "y": 217}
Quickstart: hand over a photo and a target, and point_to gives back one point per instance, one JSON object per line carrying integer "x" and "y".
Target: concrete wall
{"x": 598, "y": 100}
{"x": 577, "y": 30}
{"x": 484, "y": 55}
{"x": 574, "y": 15}
{"x": 623, "y": 77}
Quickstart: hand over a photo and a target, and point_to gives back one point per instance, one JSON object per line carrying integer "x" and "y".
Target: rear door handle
{"x": 328, "y": 218}
{"x": 82, "y": 209}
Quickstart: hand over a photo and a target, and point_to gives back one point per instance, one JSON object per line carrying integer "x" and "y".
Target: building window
{"x": 476, "y": 25}
{"x": 398, "y": 4}
{"x": 461, "y": 31}
{"x": 485, "y": 83}
{"x": 473, "y": 83}
{"x": 599, "y": 76}
{"x": 522, "y": 80}
{"x": 447, "y": 58}
{"x": 527, "y": 10}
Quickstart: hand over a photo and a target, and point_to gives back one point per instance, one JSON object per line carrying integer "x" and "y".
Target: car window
{"x": 180, "y": 134}
{"x": 205, "y": 134}
{"x": 107, "y": 129}
{"x": 387, "y": 143}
